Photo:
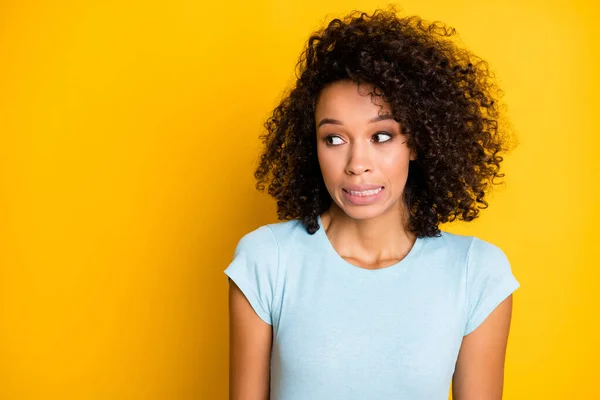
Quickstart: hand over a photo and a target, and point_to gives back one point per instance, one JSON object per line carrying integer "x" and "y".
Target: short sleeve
{"x": 489, "y": 281}
{"x": 254, "y": 270}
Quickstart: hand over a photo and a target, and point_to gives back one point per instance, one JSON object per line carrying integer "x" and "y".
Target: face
{"x": 362, "y": 152}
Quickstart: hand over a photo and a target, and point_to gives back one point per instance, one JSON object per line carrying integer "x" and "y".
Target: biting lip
{"x": 361, "y": 188}
{"x": 362, "y": 195}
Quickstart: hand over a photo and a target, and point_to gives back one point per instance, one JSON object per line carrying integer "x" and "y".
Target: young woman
{"x": 389, "y": 131}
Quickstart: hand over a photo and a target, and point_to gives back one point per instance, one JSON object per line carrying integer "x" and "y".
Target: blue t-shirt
{"x": 345, "y": 332}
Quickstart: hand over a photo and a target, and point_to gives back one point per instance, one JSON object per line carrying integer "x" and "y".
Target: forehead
{"x": 349, "y": 98}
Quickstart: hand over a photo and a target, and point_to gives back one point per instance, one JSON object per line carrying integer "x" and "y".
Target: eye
{"x": 381, "y": 137}
{"x": 333, "y": 140}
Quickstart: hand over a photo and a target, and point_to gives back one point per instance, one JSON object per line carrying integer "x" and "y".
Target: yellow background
{"x": 128, "y": 137}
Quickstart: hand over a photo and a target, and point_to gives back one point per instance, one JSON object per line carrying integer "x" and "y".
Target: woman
{"x": 389, "y": 131}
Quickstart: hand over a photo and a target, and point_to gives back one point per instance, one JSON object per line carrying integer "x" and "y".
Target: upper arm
{"x": 250, "y": 340}
{"x": 479, "y": 372}
{"x": 253, "y": 274}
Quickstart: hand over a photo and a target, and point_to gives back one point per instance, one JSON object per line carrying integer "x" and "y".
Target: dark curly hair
{"x": 444, "y": 98}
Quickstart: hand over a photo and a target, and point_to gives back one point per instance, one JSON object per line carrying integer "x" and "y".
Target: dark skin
{"x": 353, "y": 156}
{"x": 250, "y": 340}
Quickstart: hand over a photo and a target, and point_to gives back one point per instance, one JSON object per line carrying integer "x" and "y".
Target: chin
{"x": 362, "y": 212}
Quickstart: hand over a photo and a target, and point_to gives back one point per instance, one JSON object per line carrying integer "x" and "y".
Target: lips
{"x": 361, "y": 188}
{"x": 362, "y": 195}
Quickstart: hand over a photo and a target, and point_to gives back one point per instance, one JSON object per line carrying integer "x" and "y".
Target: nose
{"x": 359, "y": 159}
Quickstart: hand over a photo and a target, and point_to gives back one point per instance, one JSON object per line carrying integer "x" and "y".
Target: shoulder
{"x": 255, "y": 270}
{"x": 473, "y": 255}
{"x": 486, "y": 255}
{"x": 453, "y": 240}
{"x": 472, "y": 247}
{"x": 489, "y": 280}
{"x": 291, "y": 230}
{"x": 487, "y": 267}
{"x": 449, "y": 247}
{"x": 273, "y": 236}
{"x": 259, "y": 238}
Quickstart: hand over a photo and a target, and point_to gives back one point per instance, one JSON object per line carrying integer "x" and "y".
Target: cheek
{"x": 394, "y": 166}
{"x": 330, "y": 164}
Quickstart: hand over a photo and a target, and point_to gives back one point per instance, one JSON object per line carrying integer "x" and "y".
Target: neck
{"x": 373, "y": 240}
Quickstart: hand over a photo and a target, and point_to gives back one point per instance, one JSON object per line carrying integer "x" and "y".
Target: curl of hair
{"x": 444, "y": 98}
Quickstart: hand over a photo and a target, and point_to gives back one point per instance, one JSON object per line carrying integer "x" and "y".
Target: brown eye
{"x": 381, "y": 137}
{"x": 333, "y": 140}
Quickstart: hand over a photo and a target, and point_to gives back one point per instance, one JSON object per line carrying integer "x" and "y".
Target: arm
{"x": 250, "y": 340}
{"x": 479, "y": 372}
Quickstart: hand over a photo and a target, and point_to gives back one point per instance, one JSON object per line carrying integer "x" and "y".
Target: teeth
{"x": 365, "y": 193}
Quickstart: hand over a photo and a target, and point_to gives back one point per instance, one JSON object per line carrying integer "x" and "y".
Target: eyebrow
{"x": 338, "y": 122}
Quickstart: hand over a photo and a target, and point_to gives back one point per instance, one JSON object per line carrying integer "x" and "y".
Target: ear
{"x": 413, "y": 155}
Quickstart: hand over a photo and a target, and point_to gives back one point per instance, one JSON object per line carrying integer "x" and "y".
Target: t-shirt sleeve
{"x": 489, "y": 281}
{"x": 254, "y": 270}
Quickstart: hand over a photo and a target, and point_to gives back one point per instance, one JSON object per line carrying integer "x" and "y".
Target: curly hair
{"x": 444, "y": 98}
